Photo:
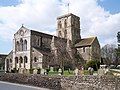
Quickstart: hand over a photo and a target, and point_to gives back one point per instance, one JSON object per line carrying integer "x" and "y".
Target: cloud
{"x": 34, "y": 14}
{"x": 95, "y": 21}
{"x": 41, "y": 15}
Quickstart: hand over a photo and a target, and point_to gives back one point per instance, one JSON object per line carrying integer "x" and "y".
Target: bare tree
{"x": 108, "y": 53}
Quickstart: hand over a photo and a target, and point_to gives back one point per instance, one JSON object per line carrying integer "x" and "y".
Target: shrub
{"x": 38, "y": 71}
{"x": 31, "y": 71}
{"x": 68, "y": 65}
{"x": 93, "y": 63}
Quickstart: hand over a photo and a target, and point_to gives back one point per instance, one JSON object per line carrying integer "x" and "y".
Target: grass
{"x": 53, "y": 73}
{"x": 66, "y": 73}
{"x": 86, "y": 72}
{"x": 71, "y": 73}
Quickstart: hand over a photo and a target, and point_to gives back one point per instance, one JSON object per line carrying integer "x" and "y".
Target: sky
{"x": 99, "y": 18}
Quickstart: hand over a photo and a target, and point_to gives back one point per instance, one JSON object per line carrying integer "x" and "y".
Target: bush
{"x": 14, "y": 70}
{"x": 93, "y": 63}
{"x": 31, "y": 70}
{"x": 38, "y": 71}
{"x": 68, "y": 65}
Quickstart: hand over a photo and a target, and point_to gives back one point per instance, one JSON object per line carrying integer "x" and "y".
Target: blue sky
{"x": 43, "y": 13}
{"x": 110, "y": 5}
{"x": 9, "y": 2}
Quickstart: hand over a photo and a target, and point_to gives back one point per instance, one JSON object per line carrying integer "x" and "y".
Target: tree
{"x": 93, "y": 63}
{"x": 117, "y": 52}
{"x": 108, "y": 53}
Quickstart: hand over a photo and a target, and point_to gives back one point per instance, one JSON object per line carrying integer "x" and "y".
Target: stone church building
{"x": 37, "y": 50}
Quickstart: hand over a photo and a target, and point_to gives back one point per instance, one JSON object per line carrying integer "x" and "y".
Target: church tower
{"x": 68, "y": 27}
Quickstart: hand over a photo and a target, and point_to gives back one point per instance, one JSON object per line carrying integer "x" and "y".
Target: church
{"x": 33, "y": 50}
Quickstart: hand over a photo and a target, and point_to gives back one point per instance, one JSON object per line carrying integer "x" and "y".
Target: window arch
{"x": 65, "y": 34}
{"x": 38, "y": 42}
{"x": 65, "y": 23}
{"x": 25, "y": 59}
{"x": 10, "y": 60}
{"x": 59, "y": 24}
{"x": 25, "y": 45}
{"x": 21, "y": 44}
{"x": 17, "y": 46}
{"x": 59, "y": 34}
{"x": 35, "y": 59}
{"x": 16, "y": 59}
{"x": 21, "y": 60}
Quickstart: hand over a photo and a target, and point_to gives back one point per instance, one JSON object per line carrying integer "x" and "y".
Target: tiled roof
{"x": 85, "y": 42}
{"x": 43, "y": 51}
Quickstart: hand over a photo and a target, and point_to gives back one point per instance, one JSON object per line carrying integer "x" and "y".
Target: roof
{"x": 33, "y": 32}
{"x": 43, "y": 51}
{"x": 2, "y": 57}
{"x": 85, "y": 42}
{"x": 67, "y": 15}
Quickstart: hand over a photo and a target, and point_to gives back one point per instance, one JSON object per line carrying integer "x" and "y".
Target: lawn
{"x": 66, "y": 73}
{"x": 70, "y": 73}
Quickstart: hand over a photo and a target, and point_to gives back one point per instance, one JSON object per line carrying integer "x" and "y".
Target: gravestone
{"x": 82, "y": 71}
{"x": 91, "y": 70}
{"x": 60, "y": 71}
{"x": 45, "y": 72}
{"x": 101, "y": 71}
{"x": 35, "y": 71}
{"x": 21, "y": 70}
{"x": 76, "y": 71}
{"x": 42, "y": 71}
{"x": 51, "y": 69}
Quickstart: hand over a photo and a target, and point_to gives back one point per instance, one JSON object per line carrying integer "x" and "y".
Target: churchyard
{"x": 90, "y": 71}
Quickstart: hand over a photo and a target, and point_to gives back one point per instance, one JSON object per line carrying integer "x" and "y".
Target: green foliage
{"x": 86, "y": 72}
{"x": 31, "y": 70}
{"x": 52, "y": 73}
{"x": 38, "y": 71}
{"x": 13, "y": 71}
{"x": 68, "y": 65}
{"x": 109, "y": 73}
{"x": 78, "y": 60}
{"x": 92, "y": 63}
{"x": 66, "y": 73}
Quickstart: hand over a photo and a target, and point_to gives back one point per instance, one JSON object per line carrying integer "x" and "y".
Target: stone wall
{"x": 65, "y": 83}
{"x": 33, "y": 80}
{"x": 91, "y": 83}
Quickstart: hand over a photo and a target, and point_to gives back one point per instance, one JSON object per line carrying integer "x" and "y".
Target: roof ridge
{"x": 89, "y": 37}
{"x": 93, "y": 40}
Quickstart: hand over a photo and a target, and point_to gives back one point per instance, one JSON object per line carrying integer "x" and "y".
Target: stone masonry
{"x": 65, "y": 83}
{"x": 36, "y": 50}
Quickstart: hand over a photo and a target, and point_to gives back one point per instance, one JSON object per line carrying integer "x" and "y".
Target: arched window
{"x": 38, "y": 42}
{"x": 25, "y": 45}
{"x": 21, "y": 44}
{"x": 16, "y": 59}
{"x": 25, "y": 59}
{"x": 35, "y": 59}
{"x": 21, "y": 60}
{"x": 65, "y": 34}
{"x": 10, "y": 60}
{"x": 17, "y": 46}
{"x": 59, "y": 34}
{"x": 60, "y": 25}
{"x": 65, "y": 23}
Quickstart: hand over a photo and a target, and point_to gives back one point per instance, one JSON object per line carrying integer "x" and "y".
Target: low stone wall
{"x": 65, "y": 83}
{"x": 34, "y": 80}
{"x": 91, "y": 83}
